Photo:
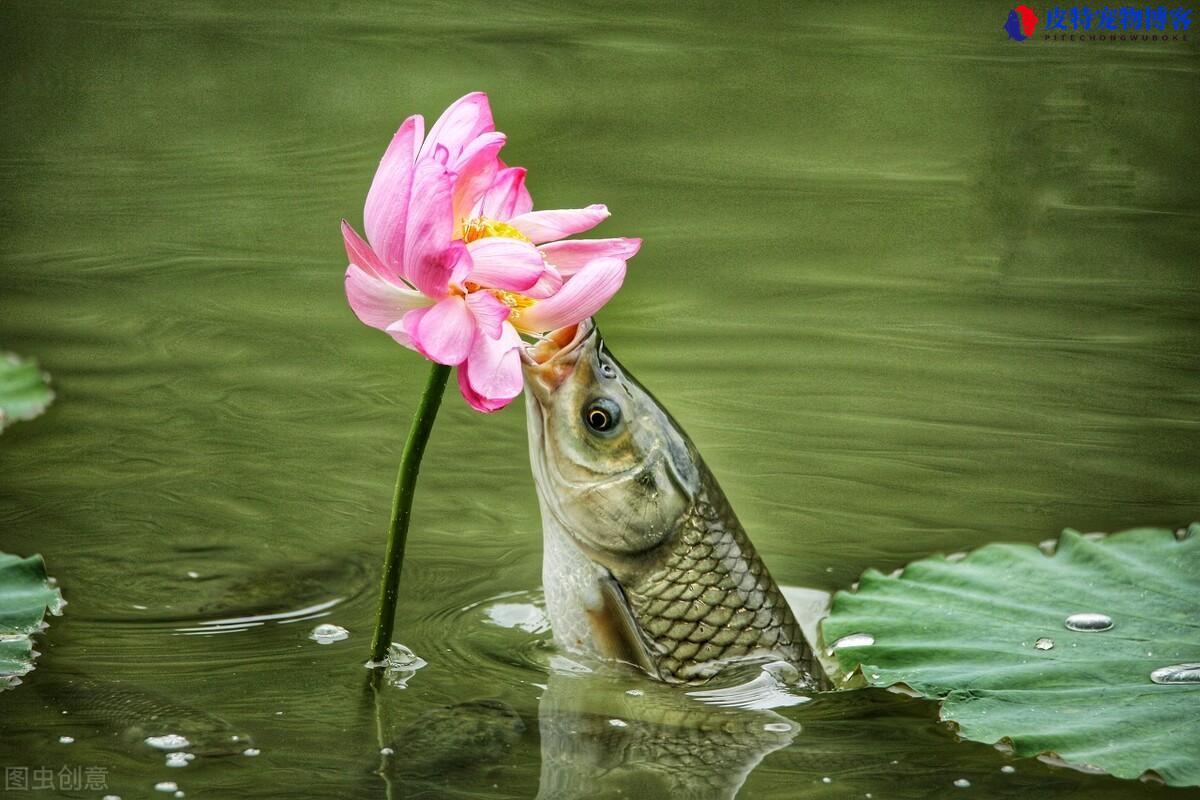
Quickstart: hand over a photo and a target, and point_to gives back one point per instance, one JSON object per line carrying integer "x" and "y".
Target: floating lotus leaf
{"x": 988, "y": 636}
{"x": 25, "y": 595}
{"x": 24, "y": 389}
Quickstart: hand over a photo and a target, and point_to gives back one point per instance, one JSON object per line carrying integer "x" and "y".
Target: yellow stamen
{"x": 515, "y": 302}
{"x": 478, "y": 228}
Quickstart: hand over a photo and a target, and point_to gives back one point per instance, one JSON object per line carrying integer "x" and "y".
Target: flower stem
{"x": 402, "y": 500}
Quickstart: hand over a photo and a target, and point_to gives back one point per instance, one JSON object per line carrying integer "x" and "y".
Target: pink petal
{"x": 430, "y": 227}
{"x": 475, "y": 400}
{"x": 502, "y": 263}
{"x": 361, "y": 254}
{"x": 476, "y": 171}
{"x": 494, "y": 370}
{"x": 378, "y": 302}
{"x": 489, "y": 312}
{"x": 580, "y": 297}
{"x": 507, "y": 197}
{"x": 444, "y": 333}
{"x": 571, "y": 255}
{"x": 546, "y": 226}
{"x": 466, "y": 118}
{"x": 550, "y": 282}
{"x": 387, "y": 201}
{"x": 404, "y": 330}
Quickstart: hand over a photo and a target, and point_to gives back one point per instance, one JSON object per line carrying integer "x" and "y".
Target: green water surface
{"x": 911, "y": 288}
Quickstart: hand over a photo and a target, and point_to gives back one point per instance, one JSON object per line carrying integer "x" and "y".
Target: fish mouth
{"x": 551, "y": 361}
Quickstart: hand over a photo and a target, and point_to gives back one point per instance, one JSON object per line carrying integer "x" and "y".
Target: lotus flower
{"x": 457, "y": 264}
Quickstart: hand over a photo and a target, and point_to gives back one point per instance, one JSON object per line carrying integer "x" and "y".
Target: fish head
{"x": 612, "y": 467}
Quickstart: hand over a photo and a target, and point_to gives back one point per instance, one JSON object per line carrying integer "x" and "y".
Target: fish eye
{"x": 602, "y": 415}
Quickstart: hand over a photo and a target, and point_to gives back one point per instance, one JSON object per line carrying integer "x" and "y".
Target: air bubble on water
{"x": 777, "y": 727}
{"x": 1044, "y": 644}
{"x": 618, "y": 723}
{"x": 179, "y": 759}
{"x": 326, "y": 633}
{"x": 963, "y": 783}
{"x": 852, "y": 640}
{"x": 166, "y": 786}
{"x": 66, "y": 739}
{"x": 1008, "y": 769}
{"x": 1087, "y": 621}
{"x": 168, "y": 741}
{"x": 399, "y": 665}
{"x": 251, "y": 752}
{"x": 111, "y": 797}
{"x": 635, "y": 692}
{"x": 193, "y": 574}
{"x": 1177, "y": 674}
{"x": 179, "y": 794}
{"x": 827, "y": 779}
{"x": 386, "y": 751}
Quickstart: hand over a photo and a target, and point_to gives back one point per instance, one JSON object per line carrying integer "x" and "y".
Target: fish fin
{"x": 616, "y": 631}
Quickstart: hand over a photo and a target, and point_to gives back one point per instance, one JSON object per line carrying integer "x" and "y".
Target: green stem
{"x": 406, "y": 482}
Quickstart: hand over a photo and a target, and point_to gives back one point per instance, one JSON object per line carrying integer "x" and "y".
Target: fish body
{"x": 142, "y": 716}
{"x": 645, "y": 560}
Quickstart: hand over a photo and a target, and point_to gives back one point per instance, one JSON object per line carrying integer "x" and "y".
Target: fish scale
{"x": 711, "y": 598}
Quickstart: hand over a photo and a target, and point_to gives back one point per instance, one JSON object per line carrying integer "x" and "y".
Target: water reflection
{"x": 598, "y": 740}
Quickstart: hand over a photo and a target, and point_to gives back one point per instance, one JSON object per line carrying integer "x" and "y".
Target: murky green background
{"x": 911, "y": 288}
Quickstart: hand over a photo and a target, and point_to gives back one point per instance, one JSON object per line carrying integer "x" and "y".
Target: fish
{"x": 141, "y": 716}
{"x": 459, "y": 739}
{"x": 644, "y": 559}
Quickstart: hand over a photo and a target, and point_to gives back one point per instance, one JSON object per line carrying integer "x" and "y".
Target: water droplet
{"x": 963, "y": 783}
{"x": 169, "y": 741}
{"x": 193, "y": 574}
{"x": 618, "y": 723}
{"x": 827, "y": 779}
{"x": 1180, "y": 673}
{"x": 1044, "y": 644}
{"x": 66, "y": 739}
{"x": 326, "y": 633}
{"x": 1008, "y": 769}
{"x": 251, "y": 752}
{"x": 179, "y": 759}
{"x": 179, "y": 794}
{"x": 853, "y": 640}
{"x": 387, "y": 751}
{"x": 1089, "y": 622}
{"x": 635, "y": 693}
{"x": 777, "y": 727}
{"x": 166, "y": 786}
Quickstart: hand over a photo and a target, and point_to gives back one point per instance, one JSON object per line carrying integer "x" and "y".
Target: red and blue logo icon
{"x": 1020, "y": 24}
